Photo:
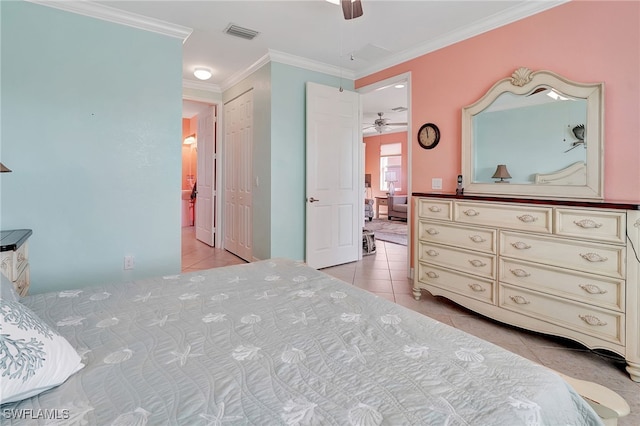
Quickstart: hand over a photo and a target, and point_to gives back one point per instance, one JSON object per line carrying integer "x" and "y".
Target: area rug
{"x": 392, "y": 231}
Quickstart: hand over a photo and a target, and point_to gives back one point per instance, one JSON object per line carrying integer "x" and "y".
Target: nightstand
{"x": 381, "y": 201}
{"x": 14, "y": 258}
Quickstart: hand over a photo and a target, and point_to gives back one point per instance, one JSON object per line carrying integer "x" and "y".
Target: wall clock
{"x": 428, "y": 136}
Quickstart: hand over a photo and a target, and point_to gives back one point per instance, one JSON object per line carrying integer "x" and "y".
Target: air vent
{"x": 238, "y": 31}
{"x": 399, "y": 109}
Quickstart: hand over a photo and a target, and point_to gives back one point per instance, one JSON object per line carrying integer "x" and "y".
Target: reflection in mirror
{"x": 541, "y": 132}
{"x": 546, "y": 129}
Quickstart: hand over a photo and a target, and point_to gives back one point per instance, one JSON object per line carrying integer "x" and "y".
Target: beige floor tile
{"x": 375, "y": 274}
{"x": 374, "y": 285}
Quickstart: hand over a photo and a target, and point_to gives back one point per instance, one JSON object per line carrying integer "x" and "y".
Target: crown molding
{"x": 310, "y": 64}
{"x": 498, "y": 20}
{"x": 201, "y": 85}
{"x": 110, "y": 14}
{"x": 288, "y": 59}
{"x": 238, "y": 77}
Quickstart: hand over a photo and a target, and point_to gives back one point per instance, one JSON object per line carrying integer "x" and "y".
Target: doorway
{"x": 386, "y": 116}
{"x": 198, "y": 171}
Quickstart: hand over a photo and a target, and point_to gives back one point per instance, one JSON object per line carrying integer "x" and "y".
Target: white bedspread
{"x": 278, "y": 343}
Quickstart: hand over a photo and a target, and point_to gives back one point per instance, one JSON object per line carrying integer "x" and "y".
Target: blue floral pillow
{"x": 33, "y": 357}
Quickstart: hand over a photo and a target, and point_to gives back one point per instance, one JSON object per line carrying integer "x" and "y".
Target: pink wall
{"x": 372, "y": 160}
{"x": 581, "y": 40}
{"x": 189, "y": 155}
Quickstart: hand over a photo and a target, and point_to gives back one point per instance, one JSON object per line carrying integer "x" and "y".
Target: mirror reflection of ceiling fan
{"x": 382, "y": 124}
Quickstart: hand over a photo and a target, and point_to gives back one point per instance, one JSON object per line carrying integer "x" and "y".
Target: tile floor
{"x": 384, "y": 273}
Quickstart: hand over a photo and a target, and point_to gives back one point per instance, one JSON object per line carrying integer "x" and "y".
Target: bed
{"x": 278, "y": 343}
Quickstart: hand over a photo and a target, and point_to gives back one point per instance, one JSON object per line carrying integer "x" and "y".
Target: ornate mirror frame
{"x": 522, "y": 82}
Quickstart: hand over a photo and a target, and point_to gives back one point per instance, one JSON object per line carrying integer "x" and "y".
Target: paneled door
{"x": 205, "y": 202}
{"x": 334, "y": 187}
{"x": 238, "y": 210}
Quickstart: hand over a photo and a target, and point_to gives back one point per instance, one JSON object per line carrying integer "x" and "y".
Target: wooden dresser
{"x": 570, "y": 269}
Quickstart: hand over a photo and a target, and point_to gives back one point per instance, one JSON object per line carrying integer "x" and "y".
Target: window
{"x": 390, "y": 162}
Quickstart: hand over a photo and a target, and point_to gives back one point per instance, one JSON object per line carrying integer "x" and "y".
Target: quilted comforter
{"x": 278, "y": 343}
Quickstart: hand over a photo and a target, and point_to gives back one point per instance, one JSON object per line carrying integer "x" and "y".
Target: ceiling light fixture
{"x": 202, "y": 73}
{"x": 399, "y": 86}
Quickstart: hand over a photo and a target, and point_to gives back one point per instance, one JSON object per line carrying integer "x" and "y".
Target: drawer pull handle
{"x": 432, "y": 231}
{"x": 477, "y": 263}
{"x": 435, "y": 209}
{"x": 477, "y": 287}
{"x": 520, "y": 273}
{"x": 527, "y": 218}
{"x": 21, "y": 257}
{"x": 519, "y": 300}
{"x": 432, "y": 253}
{"x": 593, "y": 257}
{"x": 520, "y": 245}
{"x": 587, "y": 224}
{"x": 471, "y": 212}
{"x": 592, "y": 289}
{"x": 591, "y": 320}
{"x": 477, "y": 239}
{"x": 432, "y": 274}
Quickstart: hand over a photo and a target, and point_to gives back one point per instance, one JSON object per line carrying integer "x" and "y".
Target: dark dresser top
{"x": 14, "y": 238}
{"x": 606, "y": 204}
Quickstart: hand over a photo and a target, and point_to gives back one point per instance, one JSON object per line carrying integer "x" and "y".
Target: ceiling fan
{"x": 380, "y": 123}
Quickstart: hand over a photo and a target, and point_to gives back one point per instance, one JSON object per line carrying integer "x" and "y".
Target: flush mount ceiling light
{"x": 202, "y": 73}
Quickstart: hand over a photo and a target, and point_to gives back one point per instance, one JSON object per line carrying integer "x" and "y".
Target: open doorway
{"x": 386, "y": 120}
{"x": 198, "y": 171}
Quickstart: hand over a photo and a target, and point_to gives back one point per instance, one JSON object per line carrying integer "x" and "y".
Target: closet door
{"x": 238, "y": 232}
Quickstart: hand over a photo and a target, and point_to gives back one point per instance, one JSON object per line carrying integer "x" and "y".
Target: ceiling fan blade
{"x": 351, "y": 9}
{"x": 396, "y": 124}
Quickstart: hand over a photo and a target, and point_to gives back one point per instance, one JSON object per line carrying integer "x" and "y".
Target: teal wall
{"x": 91, "y": 126}
{"x": 288, "y": 140}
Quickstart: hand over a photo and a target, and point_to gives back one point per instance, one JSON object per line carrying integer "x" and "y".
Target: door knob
{"x": 313, "y": 200}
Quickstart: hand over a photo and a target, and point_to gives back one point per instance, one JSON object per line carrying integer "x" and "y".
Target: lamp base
{"x": 501, "y": 181}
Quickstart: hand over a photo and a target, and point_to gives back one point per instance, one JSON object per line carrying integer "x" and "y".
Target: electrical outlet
{"x": 129, "y": 262}
{"x": 436, "y": 183}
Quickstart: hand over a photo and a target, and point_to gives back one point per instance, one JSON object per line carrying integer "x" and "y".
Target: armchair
{"x": 397, "y": 205}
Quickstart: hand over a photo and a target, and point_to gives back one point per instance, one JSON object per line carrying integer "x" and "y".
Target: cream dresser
{"x": 570, "y": 269}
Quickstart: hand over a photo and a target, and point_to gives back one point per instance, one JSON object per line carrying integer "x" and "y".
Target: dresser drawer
{"x": 596, "y": 225}
{"x": 457, "y": 282}
{"x": 457, "y": 235}
{"x": 600, "y": 323}
{"x": 595, "y": 290}
{"x": 434, "y": 209}
{"x": 473, "y": 262}
{"x": 525, "y": 218}
{"x": 579, "y": 255}
{"x": 12, "y": 262}
{"x": 22, "y": 283}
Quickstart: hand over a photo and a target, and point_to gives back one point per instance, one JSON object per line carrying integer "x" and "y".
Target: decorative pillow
{"x": 33, "y": 357}
{"x": 7, "y": 290}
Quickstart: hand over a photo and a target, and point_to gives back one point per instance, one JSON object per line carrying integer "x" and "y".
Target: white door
{"x": 238, "y": 170}
{"x": 205, "y": 201}
{"x": 334, "y": 187}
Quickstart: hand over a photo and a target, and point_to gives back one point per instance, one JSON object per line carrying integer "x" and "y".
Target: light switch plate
{"x": 436, "y": 183}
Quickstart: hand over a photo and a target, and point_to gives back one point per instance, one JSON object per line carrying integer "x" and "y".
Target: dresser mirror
{"x": 547, "y": 132}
